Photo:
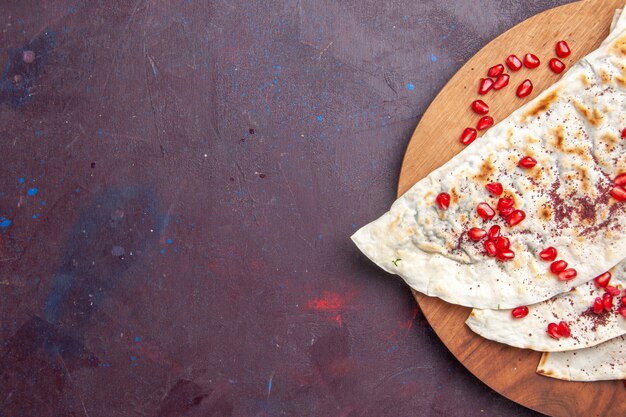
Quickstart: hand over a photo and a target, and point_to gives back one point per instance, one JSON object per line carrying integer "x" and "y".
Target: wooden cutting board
{"x": 509, "y": 371}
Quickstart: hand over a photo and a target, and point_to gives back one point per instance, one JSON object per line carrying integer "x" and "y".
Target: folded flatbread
{"x": 598, "y": 363}
{"x": 574, "y": 307}
{"x": 573, "y": 130}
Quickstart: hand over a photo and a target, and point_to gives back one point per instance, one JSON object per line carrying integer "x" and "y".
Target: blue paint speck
{"x": 354, "y": 225}
{"x": 433, "y": 58}
{"x": 36, "y": 215}
{"x": 137, "y": 339}
{"x": 169, "y": 241}
{"x": 133, "y": 358}
{"x": 320, "y": 237}
{"x": 320, "y": 118}
{"x": 32, "y": 191}
{"x": 5, "y": 223}
{"x": 21, "y": 180}
{"x": 42, "y": 202}
{"x": 410, "y": 86}
{"x": 162, "y": 251}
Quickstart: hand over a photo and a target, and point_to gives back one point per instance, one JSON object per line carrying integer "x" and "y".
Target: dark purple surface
{"x": 181, "y": 180}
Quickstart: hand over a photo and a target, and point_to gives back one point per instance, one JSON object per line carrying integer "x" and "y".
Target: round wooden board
{"x": 509, "y": 371}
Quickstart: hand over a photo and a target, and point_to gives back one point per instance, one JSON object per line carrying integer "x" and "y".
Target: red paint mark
{"x": 338, "y": 319}
{"x": 409, "y": 323}
{"x": 331, "y": 301}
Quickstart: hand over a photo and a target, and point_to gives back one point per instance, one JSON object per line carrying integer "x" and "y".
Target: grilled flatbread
{"x": 598, "y": 363}
{"x": 573, "y": 131}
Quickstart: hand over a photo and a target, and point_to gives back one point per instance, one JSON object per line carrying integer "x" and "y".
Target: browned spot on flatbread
{"x": 584, "y": 178}
{"x": 605, "y": 76}
{"x": 559, "y": 137}
{"x": 609, "y": 140}
{"x": 454, "y": 195}
{"x": 619, "y": 44}
{"x": 545, "y": 212}
{"x": 542, "y": 105}
{"x": 593, "y": 116}
{"x": 486, "y": 170}
{"x": 584, "y": 80}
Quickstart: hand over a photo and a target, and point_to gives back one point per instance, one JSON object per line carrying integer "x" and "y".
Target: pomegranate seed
{"x": 476, "y": 234}
{"x": 558, "y": 266}
{"x": 468, "y": 136}
{"x": 494, "y": 233}
{"x": 562, "y": 49}
{"x": 620, "y": 180}
{"x": 485, "y": 211}
{"x": 505, "y": 202}
{"x": 506, "y": 212}
{"x": 567, "y": 275}
{"x": 502, "y": 243}
{"x": 443, "y": 201}
{"x": 490, "y": 248}
{"x": 525, "y": 88}
{"x": 513, "y": 62}
{"x": 602, "y": 280}
{"x": 480, "y": 107}
{"x": 556, "y": 65}
{"x": 607, "y": 301}
{"x": 612, "y": 290}
{"x": 485, "y": 85}
{"x": 501, "y": 82}
{"x": 553, "y": 331}
{"x": 494, "y": 188}
{"x": 548, "y": 254}
{"x": 564, "y": 329}
{"x": 515, "y": 218}
{"x": 622, "y": 310}
{"x": 618, "y": 193}
{"x": 495, "y": 70}
{"x": 623, "y": 301}
{"x": 598, "y": 305}
{"x": 519, "y": 312}
{"x": 527, "y": 162}
{"x": 624, "y": 133}
{"x": 505, "y": 255}
{"x": 484, "y": 123}
{"x": 531, "y": 61}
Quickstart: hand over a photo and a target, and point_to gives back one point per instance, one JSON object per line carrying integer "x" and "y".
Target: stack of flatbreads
{"x": 573, "y": 130}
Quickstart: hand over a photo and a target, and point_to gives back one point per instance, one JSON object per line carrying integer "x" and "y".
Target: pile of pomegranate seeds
{"x": 605, "y": 303}
{"x": 525, "y": 88}
{"x": 558, "y": 268}
{"x": 519, "y": 312}
{"x": 443, "y": 201}
{"x": 618, "y": 191}
{"x": 556, "y": 331}
{"x": 531, "y": 61}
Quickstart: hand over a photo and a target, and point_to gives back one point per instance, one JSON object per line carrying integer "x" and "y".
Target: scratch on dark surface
{"x": 69, "y": 377}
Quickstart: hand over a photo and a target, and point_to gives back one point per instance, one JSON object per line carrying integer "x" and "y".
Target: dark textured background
{"x": 178, "y": 182}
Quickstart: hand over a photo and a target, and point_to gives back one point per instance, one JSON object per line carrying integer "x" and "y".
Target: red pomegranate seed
{"x": 505, "y": 255}
{"x": 553, "y": 331}
{"x": 607, "y": 301}
{"x": 519, "y": 312}
{"x": 558, "y": 266}
{"x": 524, "y": 89}
{"x": 490, "y": 247}
{"x": 494, "y": 188}
{"x": 505, "y": 202}
{"x": 476, "y": 234}
{"x": 567, "y": 275}
{"x": 562, "y": 49}
{"x": 598, "y": 305}
{"x": 564, "y": 329}
{"x": 484, "y": 123}
{"x": 480, "y": 107}
{"x": 502, "y": 243}
{"x": 501, "y": 82}
{"x": 623, "y": 300}
{"x": 495, "y": 70}
{"x": 618, "y": 193}
{"x": 513, "y": 62}
{"x": 624, "y": 133}
{"x": 443, "y": 201}
{"x": 602, "y": 280}
{"x": 494, "y": 233}
{"x": 620, "y": 180}
{"x": 515, "y": 217}
{"x": 612, "y": 290}
{"x": 527, "y": 162}
{"x": 485, "y": 85}
{"x": 468, "y": 136}
{"x": 531, "y": 61}
{"x": 485, "y": 211}
{"x": 548, "y": 254}
{"x": 556, "y": 65}
{"x": 506, "y": 212}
